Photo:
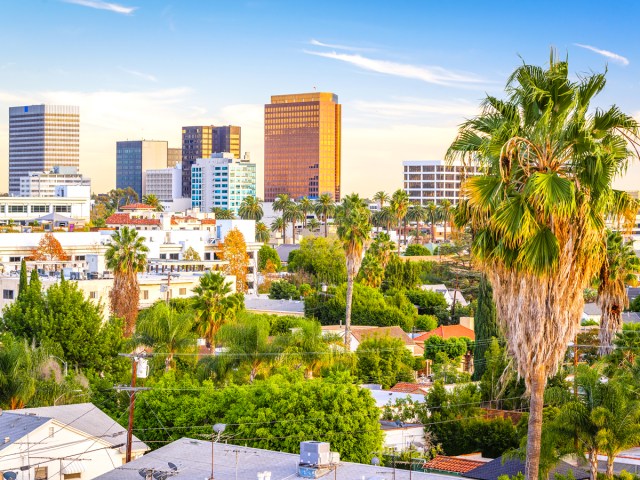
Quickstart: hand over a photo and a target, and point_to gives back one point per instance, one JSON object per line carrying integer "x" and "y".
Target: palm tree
{"x": 262, "y": 232}
{"x": 279, "y": 225}
{"x": 304, "y": 347}
{"x": 17, "y": 367}
{"x": 153, "y": 201}
{"x": 445, "y": 215}
{"x": 432, "y": 215}
{"x": 538, "y": 212}
{"x": 400, "y": 207}
{"x": 313, "y": 225}
{"x": 251, "y": 209}
{"x": 126, "y": 256}
{"x": 382, "y": 248}
{"x": 222, "y": 213}
{"x": 281, "y": 204}
{"x": 166, "y": 331}
{"x": 306, "y": 207}
{"x": 324, "y": 209}
{"x": 214, "y": 305}
{"x": 417, "y": 213}
{"x": 292, "y": 214}
{"x": 381, "y": 197}
{"x": 619, "y": 269}
{"x": 353, "y": 218}
{"x": 383, "y": 218}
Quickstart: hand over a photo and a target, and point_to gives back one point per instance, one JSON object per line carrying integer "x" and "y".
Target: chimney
{"x": 467, "y": 322}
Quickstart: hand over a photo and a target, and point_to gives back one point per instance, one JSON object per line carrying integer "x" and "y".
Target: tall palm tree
{"x": 166, "y": 331}
{"x": 353, "y": 218}
{"x": 313, "y": 225}
{"x": 538, "y": 212}
{"x": 18, "y": 365}
{"x": 262, "y": 232}
{"x": 619, "y": 269}
{"x": 293, "y": 214}
{"x": 381, "y": 197}
{"x": 223, "y": 213}
{"x": 281, "y": 203}
{"x": 214, "y": 305}
{"x": 417, "y": 213}
{"x": 279, "y": 225}
{"x": 153, "y": 201}
{"x": 432, "y": 215}
{"x": 400, "y": 207}
{"x": 251, "y": 209}
{"x": 306, "y": 207}
{"x": 324, "y": 209}
{"x": 445, "y": 215}
{"x": 383, "y": 218}
{"x": 126, "y": 256}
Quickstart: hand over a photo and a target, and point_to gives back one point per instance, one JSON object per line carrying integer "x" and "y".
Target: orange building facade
{"x": 302, "y": 145}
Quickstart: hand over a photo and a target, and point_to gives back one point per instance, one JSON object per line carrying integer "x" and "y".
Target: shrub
{"x": 415, "y": 250}
{"x": 283, "y": 290}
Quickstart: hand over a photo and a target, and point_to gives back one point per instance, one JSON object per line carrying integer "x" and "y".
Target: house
{"x": 448, "y": 331}
{"x": 591, "y": 312}
{"x": 448, "y": 295}
{"x": 62, "y": 442}
{"x": 263, "y": 304}
{"x": 451, "y": 465}
{"x": 359, "y": 333}
{"x": 407, "y": 387}
{"x": 194, "y": 459}
{"x": 400, "y": 436}
{"x": 495, "y": 468}
{"x": 285, "y": 250}
{"x": 387, "y": 397}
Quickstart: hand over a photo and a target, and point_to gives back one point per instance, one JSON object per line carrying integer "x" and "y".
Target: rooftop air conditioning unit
{"x": 315, "y": 453}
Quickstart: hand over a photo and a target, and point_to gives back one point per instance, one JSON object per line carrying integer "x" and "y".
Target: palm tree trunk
{"x": 610, "y": 323}
{"x": 293, "y": 232}
{"x": 593, "y": 464}
{"x": 406, "y": 227}
{"x": 610, "y": 459}
{"x": 347, "y": 317}
{"x": 325, "y": 225}
{"x": 433, "y": 231}
{"x": 399, "y": 235}
{"x": 284, "y": 231}
{"x": 445, "y": 230}
{"x": 532, "y": 464}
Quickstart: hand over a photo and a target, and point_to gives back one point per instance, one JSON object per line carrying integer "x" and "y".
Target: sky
{"x": 406, "y": 72}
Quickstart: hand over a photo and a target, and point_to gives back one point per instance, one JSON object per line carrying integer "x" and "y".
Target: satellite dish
{"x": 173, "y": 466}
{"x": 9, "y": 475}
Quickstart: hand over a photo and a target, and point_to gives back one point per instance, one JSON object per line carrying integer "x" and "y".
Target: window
{"x": 174, "y": 256}
{"x": 93, "y": 295}
{"x": 183, "y": 291}
{"x": 80, "y": 258}
{"x": 72, "y": 475}
{"x": 39, "y": 208}
{"x": 62, "y": 208}
{"x": 15, "y": 259}
{"x": 207, "y": 256}
{"x": 17, "y": 209}
{"x": 145, "y": 294}
{"x": 7, "y": 294}
{"x": 163, "y": 256}
{"x": 41, "y": 473}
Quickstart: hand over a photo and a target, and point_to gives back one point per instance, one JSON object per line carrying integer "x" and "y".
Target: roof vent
{"x": 6, "y": 439}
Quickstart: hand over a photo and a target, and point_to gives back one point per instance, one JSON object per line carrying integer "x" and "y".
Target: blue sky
{"x": 406, "y": 72}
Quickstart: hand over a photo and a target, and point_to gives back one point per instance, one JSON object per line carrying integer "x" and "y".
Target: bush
{"x": 426, "y": 323}
{"x": 268, "y": 253}
{"x": 283, "y": 290}
{"x": 415, "y": 250}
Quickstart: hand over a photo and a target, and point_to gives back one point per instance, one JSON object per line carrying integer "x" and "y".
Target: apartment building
{"x": 427, "y": 181}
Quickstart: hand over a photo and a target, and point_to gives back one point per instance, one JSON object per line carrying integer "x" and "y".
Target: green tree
{"x": 251, "y": 209}
{"x": 214, "y": 304}
{"x": 18, "y": 366}
{"x": 371, "y": 272}
{"x": 24, "y": 282}
{"x": 485, "y": 325}
{"x": 191, "y": 254}
{"x": 283, "y": 290}
{"x": 126, "y": 256}
{"x": 619, "y": 269}
{"x": 400, "y": 274}
{"x": 303, "y": 346}
{"x": 432, "y": 216}
{"x": 353, "y": 218}
{"x": 418, "y": 214}
{"x": 381, "y": 197}
{"x": 153, "y": 201}
{"x": 281, "y": 203}
{"x": 445, "y": 215}
{"x": 383, "y": 218}
{"x": 384, "y": 360}
{"x": 268, "y": 253}
{"x": 321, "y": 258}
{"x": 293, "y": 214}
{"x": 306, "y": 207}
{"x": 223, "y": 213}
{"x": 279, "y": 225}
{"x": 415, "y": 250}
{"x": 400, "y": 206}
{"x": 166, "y": 331}
{"x": 325, "y": 207}
{"x": 262, "y": 232}
{"x": 538, "y": 211}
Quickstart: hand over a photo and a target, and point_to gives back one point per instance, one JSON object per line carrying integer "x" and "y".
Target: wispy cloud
{"x": 406, "y": 108}
{"x": 100, "y": 5}
{"x": 430, "y": 74}
{"x": 606, "y": 53}
{"x": 318, "y": 43}
{"x": 135, "y": 73}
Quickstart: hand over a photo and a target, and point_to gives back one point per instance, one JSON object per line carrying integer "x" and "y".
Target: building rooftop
{"x": 125, "y": 219}
{"x": 276, "y": 307}
{"x": 406, "y": 387}
{"x": 138, "y": 206}
{"x": 192, "y": 460}
{"x": 87, "y": 418}
{"x": 447, "y": 331}
{"x": 511, "y": 467}
{"x": 443, "y": 463}
{"x": 14, "y": 426}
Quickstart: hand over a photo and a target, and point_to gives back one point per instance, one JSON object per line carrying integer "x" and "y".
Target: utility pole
{"x": 132, "y": 398}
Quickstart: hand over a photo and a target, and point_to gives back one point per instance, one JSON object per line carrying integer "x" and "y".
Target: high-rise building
{"x": 135, "y": 157}
{"x": 164, "y": 183}
{"x": 174, "y": 157}
{"x": 222, "y": 181}
{"x": 428, "y": 181}
{"x": 43, "y": 184}
{"x": 302, "y": 144}
{"x": 40, "y": 138}
{"x": 201, "y": 142}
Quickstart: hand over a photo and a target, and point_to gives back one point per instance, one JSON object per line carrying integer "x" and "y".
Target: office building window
{"x": 7, "y": 294}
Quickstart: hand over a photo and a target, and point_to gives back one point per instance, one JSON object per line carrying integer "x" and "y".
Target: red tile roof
{"x": 137, "y": 206}
{"x": 452, "y": 464}
{"x": 125, "y": 219}
{"x": 406, "y": 387}
{"x": 447, "y": 331}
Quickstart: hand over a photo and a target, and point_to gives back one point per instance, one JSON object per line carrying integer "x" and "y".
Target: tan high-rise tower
{"x": 302, "y": 145}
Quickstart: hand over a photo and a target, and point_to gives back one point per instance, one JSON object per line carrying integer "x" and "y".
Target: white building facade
{"x": 73, "y": 201}
{"x": 222, "y": 181}
{"x": 427, "y": 181}
{"x": 164, "y": 183}
{"x": 43, "y": 184}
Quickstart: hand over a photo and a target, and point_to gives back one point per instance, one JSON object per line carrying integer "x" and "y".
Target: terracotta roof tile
{"x": 137, "y": 206}
{"x": 125, "y": 219}
{"x": 407, "y": 387}
{"x": 447, "y": 331}
{"x": 452, "y": 464}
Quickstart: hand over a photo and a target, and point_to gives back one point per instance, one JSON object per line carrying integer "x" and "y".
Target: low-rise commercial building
{"x": 43, "y": 184}
{"x": 70, "y": 201}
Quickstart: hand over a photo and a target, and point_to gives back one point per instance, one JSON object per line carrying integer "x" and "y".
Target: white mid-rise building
{"x": 43, "y": 184}
{"x": 164, "y": 183}
{"x": 427, "y": 181}
{"x": 70, "y": 204}
{"x": 222, "y": 181}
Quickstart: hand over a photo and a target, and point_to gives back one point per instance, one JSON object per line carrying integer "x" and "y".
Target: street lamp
{"x": 217, "y": 428}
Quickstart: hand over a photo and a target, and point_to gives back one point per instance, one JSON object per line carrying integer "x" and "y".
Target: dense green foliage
{"x": 268, "y": 253}
{"x": 274, "y": 414}
{"x": 485, "y": 325}
{"x": 401, "y": 274}
{"x": 384, "y": 360}
{"x": 321, "y": 259}
{"x": 416, "y": 250}
{"x": 283, "y": 290}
